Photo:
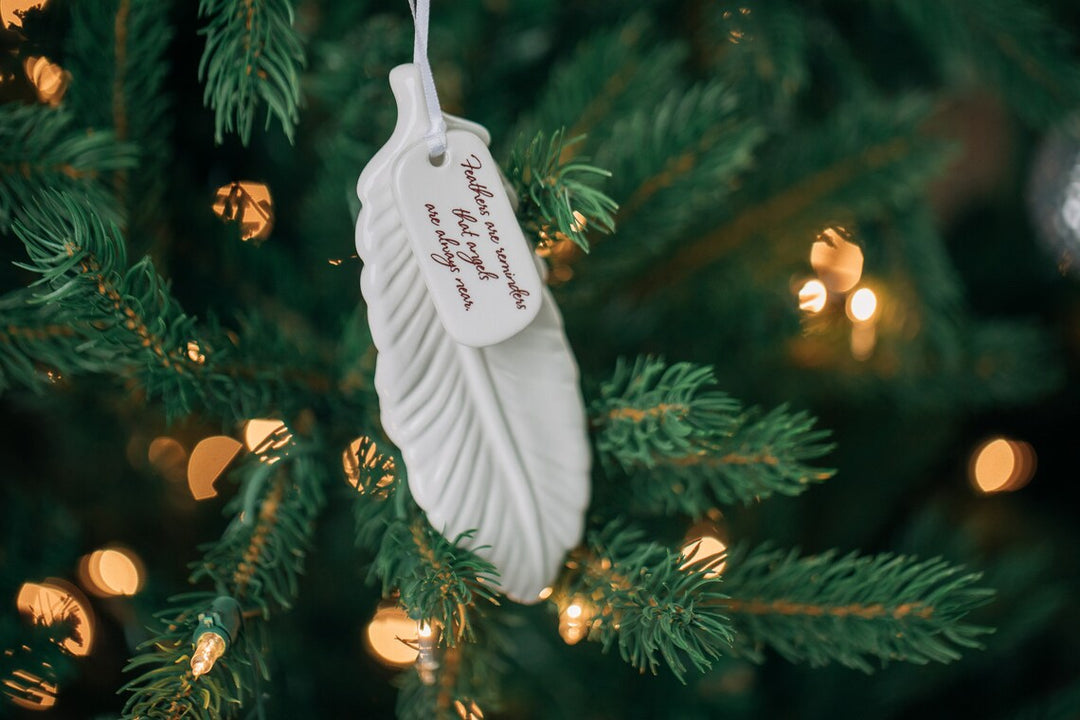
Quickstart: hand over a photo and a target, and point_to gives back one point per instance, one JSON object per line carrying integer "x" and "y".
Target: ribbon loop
{"x": 436, "y": 134}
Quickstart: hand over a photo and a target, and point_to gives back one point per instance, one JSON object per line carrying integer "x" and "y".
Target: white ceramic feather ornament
{"x": 476, "y": 381}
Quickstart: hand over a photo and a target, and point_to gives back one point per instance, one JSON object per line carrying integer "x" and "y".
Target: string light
{"x": 362, "y": 454}
{"x": 574, "y": 621}
{"x": 545, "y": 593}
{"x": 209, "y": 648}
{"x": 168, "y": 457}
{"x": 812, "y": 296}
{"x": 12, "y": 11}
{"x": 111, "y": 571}
{"x": 838, "y": 262}
{"x": 248, "y": 203}
{"x": 468, "y": 712}
{"x": 338, "y": 262}
{"x": 195, "y": 353}
{"x": 560, "y": 251}
{"x": 547, "y": 242}
{"x": 264, "y": 435}
{"x": 49, "y": 79}
{"x": 28, "y": 691}
{"x": 861, "y": 308}
{"x": 862, "y": 305}
{"x": 57, "y": 601}
{"x": 1001, "y": 465}
{"x": 216, "y": 629}
{"x": 209, "y": 460}
{"x": 392, "y": 636}
{"x": 704, "y": 548}
{"x": 580, "y": 221}
{"x": 863, "y": 340}
{"x": 427, "y": 664}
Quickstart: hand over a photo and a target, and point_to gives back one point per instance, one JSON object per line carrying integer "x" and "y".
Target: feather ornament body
{"x": 493, "y": 438}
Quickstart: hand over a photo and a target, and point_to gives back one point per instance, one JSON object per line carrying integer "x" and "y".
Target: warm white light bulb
{"x": 812, "y": 296}
{"x": 862, "y": 305}
{"x": 705, "y": 552}
{"x": 427, "y": 661}
{"x": 208, "y": 651}
{"x": 574, "y": 622}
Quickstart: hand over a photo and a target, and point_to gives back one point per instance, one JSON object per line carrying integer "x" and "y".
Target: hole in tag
{"x": 437, "y": 160}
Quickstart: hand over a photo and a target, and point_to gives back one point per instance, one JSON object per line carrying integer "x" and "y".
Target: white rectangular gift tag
{"x": 473, "y": 256}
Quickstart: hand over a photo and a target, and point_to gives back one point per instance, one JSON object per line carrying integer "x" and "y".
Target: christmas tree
{"x": 788, "y": 241}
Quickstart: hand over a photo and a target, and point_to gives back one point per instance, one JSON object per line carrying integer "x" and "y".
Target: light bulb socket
{"x": 223, "y": 618}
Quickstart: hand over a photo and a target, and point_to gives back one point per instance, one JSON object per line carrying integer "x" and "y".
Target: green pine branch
{"x": 605, "y": 78}
{"x": 83, "y": 269}
{"x": 38, "y": 345}
{"x": 378, "y": 477}
{"x": 554, "y": 190}
{"x": 651, "y": 410}
{"x": 258, "y": 562}
{"x": 954, "y": 358}
{"x": 1014, "y": 47}
{"x": 1004, "y": 362}
{"x": 669, "y": 160}
{"x": 1059, "y": 704}
{"x": 436, "y": 580}
{"x": 466, "y": 680}
{"x": 935, "y": 354}
{"x": 347, "y": 87}
{"x": 769, "y": 453}
{"x": 763, "y": 51}
{"x": 848, "y": 609}
{"x": 923, "y": 279}
{"x": 165, "y": 688}
{"x": 40, "y": 150}
{"x": 253, "y": 56}
{"x": 260, "y": 557}
{"x": 864, "y": 160}
{"x": 118, "y": 50}
{"x": 646, "y": 604}
{"x": 687, "y": 447}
